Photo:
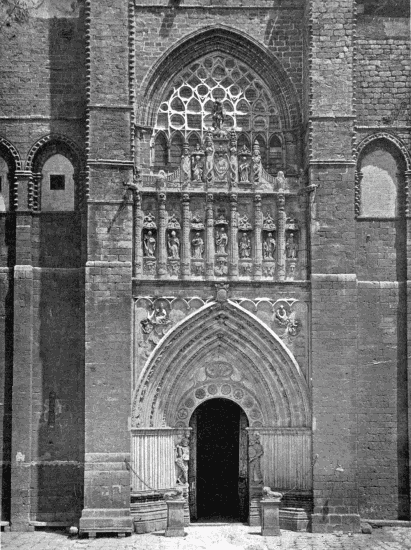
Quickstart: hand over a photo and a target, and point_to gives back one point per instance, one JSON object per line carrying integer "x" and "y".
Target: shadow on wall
{"x": 59, "y": 474}
{"x": 402, "y": 351}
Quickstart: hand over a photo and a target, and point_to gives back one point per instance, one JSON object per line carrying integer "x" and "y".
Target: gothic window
{"x": 160, "y": 151}
{"x": 186, "y": 111}
{"x": 57, "y": 186}
{"x": 4, "y": 186}
{"x": 379, "y": 181}
{"x": 275, "y": 159}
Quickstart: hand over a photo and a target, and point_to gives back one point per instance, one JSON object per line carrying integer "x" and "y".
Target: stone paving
{"x": 213, "y": 537}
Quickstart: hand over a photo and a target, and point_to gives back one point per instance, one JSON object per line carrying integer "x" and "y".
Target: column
{"x": 281, "y": 219}
{"x": 209, "y": 256}
{"x": 108, "y": 272}
{"x": 185, "y": 245}
{"x": 333, "y": 264}
{"x": 161, "y": 237}
{"x": 22, "y": 420}
{"x": 233, "y": 245}
{"x": 258, "y": 224}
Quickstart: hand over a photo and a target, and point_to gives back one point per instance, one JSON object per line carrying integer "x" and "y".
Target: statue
{"x": 173, "y": 244}
{"x": 255, "y": 452}
{"x": 269, "y": 246}
{"x": 197, "y": 247}
{"x": 245, "y": 246}
{"x": 221, "y": 241}
{"x": 218, "y": 115}
{"x": 182, "y": 457}
{"x": 268, "y": 494}
{"x": 244, "y": 166}
{"x": 198, "y": 168}
{"x": 257, "y": 166}
{"x": 281, "y": 181}
{"x": 291, "y": 247}
{"x": 185, "y": 164}
{"x": 149, "y": 245}
{"x": 209, "y": 162}
{"x": 233, "y": 158}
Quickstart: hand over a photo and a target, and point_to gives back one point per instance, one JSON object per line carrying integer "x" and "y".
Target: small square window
{"x": 57, "y": 182}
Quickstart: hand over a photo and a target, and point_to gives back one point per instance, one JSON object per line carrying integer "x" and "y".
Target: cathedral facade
{"x": 205, "y": 241}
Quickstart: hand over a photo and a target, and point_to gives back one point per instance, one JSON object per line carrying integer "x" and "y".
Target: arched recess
{"x": 221, "y": 350}
{"x": 218, "y": 38}
{"x": 43, "y": 150}
{"x": 394, "y": 182}
{"x": 10, "y": 161}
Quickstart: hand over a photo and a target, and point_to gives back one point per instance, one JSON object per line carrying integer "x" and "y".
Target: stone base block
{"x": 96, "y": 520}
{"x": 347, "y": 523}
{"x": 293, "y": 519}
{"x": 175, "y": 518}
{"x": 270, "y": 524}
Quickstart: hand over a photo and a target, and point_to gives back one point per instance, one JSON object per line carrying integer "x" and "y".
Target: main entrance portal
{"x": 218, "y": 472}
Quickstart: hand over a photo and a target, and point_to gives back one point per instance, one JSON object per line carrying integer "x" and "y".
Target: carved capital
{"x": 162, "y": 198}
{"x": 186, "y": 198}
{"x": 210, "y": 198}
{"x": 257, "y": 200}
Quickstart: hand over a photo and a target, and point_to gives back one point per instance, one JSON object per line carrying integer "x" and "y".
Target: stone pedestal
{"x": 270, "y": 517}
{"x": 293, "y": 519}
{"x": 175, "y": 518}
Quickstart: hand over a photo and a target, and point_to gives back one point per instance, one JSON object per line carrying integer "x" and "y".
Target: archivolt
{"x": 51, "y": 144}
{"x": 11, "y": 152}
{"x": 391, "y": 138}
{"x": 184, "y": 369}
{"x": 228, "y": 41}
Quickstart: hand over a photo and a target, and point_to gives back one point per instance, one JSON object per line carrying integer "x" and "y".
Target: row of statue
{"x": 223, "y": 164}
{"x": 269, "y": 245}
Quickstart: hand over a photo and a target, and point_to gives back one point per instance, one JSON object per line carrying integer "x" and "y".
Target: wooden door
{"x": 192, "y": 469}
{"x": 243, "y": 468}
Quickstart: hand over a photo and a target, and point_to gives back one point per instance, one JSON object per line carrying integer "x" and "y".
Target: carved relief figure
{"x": 221, "y": 166}
{"x": 221, "y": 241}
{"x": 173, "y": 244}
{"x": 149, "y": 245}
{"x": 291, "y": 247}
{"x": 255, "y": 452}
{"x": 197, "y": 247}
{"x": 289, "y": 322}
{"x": 182, "y": 454}
{"x": 269, "y": 246}
{"x": 244, "y": 246}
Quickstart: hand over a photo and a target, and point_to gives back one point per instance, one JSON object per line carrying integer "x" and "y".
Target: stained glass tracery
{"x": 186, "y": 112}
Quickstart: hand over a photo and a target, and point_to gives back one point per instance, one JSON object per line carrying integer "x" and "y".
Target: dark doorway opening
{"x": 219, "y": 470}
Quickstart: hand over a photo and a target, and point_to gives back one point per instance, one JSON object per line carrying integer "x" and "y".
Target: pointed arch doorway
{"x": 218, "y": 470}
